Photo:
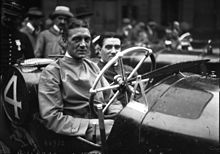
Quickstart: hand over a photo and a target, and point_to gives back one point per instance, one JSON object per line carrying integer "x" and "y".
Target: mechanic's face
{"x": 79, "y": 40}
{"x": 110, "y": 47}
{"x": 61, "y": 21}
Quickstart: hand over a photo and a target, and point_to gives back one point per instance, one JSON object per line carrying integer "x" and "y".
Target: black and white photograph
{"x": 109, "y": 76}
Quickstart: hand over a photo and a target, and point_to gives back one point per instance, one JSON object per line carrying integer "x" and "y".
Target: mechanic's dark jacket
{"x": 14, "y": 46}
{"x": 114, "y": 70}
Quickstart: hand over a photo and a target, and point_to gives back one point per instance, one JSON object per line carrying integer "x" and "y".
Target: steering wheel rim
{"x": 93, "y": 90}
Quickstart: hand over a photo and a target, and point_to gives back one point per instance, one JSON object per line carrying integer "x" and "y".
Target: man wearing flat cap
{"x": 50, "y": 42}
{"x": 33, "y": 25}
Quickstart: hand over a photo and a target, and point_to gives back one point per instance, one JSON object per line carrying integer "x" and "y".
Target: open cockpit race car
{"x": 170, "y": 109}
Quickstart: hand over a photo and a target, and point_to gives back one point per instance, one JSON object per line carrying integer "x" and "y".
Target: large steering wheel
{"x": 122, "y": 80}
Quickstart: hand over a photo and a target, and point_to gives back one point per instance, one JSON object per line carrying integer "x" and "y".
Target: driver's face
{"x": 79, "y": 40}
{"x": 110, "y": 47}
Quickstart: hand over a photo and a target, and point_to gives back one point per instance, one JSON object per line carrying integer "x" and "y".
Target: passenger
{"x": 64, "y": 91}
{"x": 52, "y": 41}
{"x": 15, "y": 46}
{"x": 110, "y": 44}
{"x": 33, "y": 25}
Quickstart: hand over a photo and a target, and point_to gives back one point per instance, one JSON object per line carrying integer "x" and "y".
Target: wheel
{"x": 122, "y": 82}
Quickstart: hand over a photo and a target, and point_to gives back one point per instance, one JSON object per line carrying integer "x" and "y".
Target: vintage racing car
{"x": 168, "y": 111}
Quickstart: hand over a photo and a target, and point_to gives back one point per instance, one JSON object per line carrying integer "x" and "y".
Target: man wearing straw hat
{"x": 50, "y": 41}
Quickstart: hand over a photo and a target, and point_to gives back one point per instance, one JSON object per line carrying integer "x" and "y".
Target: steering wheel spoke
{"x": 110, "y": 87}
{"x": 111, "y": 101}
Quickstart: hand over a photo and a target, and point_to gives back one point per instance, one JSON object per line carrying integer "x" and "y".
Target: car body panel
{"x": 182, "y": 117}
{"x": 156, "y": 129}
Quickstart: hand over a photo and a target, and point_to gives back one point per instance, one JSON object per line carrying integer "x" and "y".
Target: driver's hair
{"x": 76, "y": 24}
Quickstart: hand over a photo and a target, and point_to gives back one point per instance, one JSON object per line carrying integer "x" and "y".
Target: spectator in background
{"x": 84, "y": 14}
{"x": 51, "y": 42}
{"x": 125, "y": 32}
{"x": 95, "y": 53}
{"x": 48, "y": 22}
{"x": 139, "y": 35}
{"x": 33, "y": 25}
{"x": 173, "y": 31}
{"x": 156, "y": 34}
{"x": 15, "y": 45}
{"x": 153, "y": 31}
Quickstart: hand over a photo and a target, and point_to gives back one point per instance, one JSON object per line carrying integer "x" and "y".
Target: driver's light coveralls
{"x": 64, "y": 93}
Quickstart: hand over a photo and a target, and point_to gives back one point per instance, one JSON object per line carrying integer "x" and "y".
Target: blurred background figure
{"x": 178, "y": 36}
{"x": 74, "y": 22}
{"x": 33, "y": 24}
{"x": 156, "y": 32}
{"x": 52, "y": 41}
{"x": 125, "y": 32}
{"x": 173, "y": 31}
{"x": 15, "y": 45}
{"x": 95, "y": 49}
{"x": 84, "y": 14}
{"x": 48, "y": 22}
{"x": 176, "y": 29}
{"x": 139, "y": 35}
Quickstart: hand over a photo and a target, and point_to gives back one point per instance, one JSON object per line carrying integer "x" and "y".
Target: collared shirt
{"x": 28, "y": 29}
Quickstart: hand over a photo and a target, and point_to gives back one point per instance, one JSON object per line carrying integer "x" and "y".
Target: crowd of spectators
{"x": 48, "y": 34}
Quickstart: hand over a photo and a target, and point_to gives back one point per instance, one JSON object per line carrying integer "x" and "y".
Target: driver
{"x": 64, "y": 90}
